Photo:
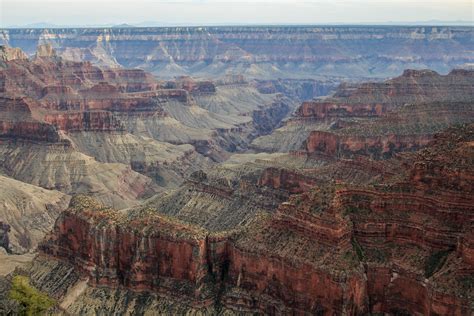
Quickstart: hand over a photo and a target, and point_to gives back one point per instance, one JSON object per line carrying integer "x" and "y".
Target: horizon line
{"x": 131, "y": 26}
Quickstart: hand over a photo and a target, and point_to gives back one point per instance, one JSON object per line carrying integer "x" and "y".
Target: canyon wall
{"x": 377, "y": 147}
{"x": 398, "y": 242}
{"x": 258, "y": 52}
{"x": 377, "y": 118}
{"x": 158, "y": 254}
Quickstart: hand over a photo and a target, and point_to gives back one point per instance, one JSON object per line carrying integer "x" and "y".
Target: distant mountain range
{"x": 42, "y": 25}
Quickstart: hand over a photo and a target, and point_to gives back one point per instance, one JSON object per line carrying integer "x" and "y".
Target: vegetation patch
{"x": 31, "y": 300}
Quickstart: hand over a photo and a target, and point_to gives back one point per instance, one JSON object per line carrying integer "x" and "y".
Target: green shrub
{"x": 32, "y": 301}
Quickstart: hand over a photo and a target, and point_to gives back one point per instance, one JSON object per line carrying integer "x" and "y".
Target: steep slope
{"x": 165, "y": 163}
{"x": 61, "y": 167}
{"x": 29, "y": 212}
{"x": 36, "y": 152}
{"x": 77, "y": 96}
{"x": 371, "y": 118}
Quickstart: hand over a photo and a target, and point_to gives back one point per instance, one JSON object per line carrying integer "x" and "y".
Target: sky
{"x": 228, "y": 12}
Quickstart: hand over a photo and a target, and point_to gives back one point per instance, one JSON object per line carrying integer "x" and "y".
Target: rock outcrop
{"x": 328, "y": 110}
{"x": 4, "y": 239}
{"x": 375, "y": 146}
{"x": 298, "y": 89}
{"x": 45, "y": 51}
{"x": 9, "y": 53}
{"x": 377, "y": 119}
{"x": 169, "y": 257}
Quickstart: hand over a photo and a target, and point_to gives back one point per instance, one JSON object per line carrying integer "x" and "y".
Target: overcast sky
{"x": 209, "y": 12}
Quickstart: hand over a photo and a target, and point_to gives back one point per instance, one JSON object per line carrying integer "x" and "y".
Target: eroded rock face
{"x": 4, "y": 240}
{"x": 373, "y": 214}
{"x": 77, "y": 96}
{"x": 117, "y": 256}
{"x": 28, "y": 212}
{"x": 286, "y": 179}
{"x": 259, "y": 52}
{"x": 144, "y": 134}
{"x": 377, "y": 119}
{"x": 384, "y": 126}
{"x": 35, "y": 131}
{"x": 298, "y": 89}
{"x": 401, "y": 245}
{"x": 8, "y": 53}
{"x": 328, "y": 110}
{"x": 166, "y": 256}
{"x": 374, "y": 146}
{"x": 413, "y": 86}
{"x": 45, "y": 51}
{"x": 97, "y": 121}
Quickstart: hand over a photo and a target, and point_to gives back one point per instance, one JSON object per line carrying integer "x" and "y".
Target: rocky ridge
{"x": 377, "y": 119}
{"x": 265, "y": 52}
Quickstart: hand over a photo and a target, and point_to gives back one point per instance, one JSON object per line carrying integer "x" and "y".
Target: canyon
{"x": 238, "y": 170}
{"x": 296, "y": 52}
{"x": 332, "y": 249}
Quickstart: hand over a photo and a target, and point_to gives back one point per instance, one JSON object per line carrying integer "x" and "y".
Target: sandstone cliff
{"x": 379, "y": 118}
{"x": 399, "y": 245}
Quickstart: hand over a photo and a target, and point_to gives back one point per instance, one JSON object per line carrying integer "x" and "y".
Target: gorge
{"x": 289, "y": 170}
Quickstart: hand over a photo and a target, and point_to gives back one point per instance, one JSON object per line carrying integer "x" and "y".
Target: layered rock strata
{"x": 258, "y": 52}
{"x": 402, "y": 245}
{"x": 377, "y": 119}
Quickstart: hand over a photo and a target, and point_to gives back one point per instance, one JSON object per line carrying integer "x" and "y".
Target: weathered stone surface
{"x": 28, "y": 212}
{"x": 8, "y": 53}
{"x": 375, "y": 146}
{"x": 377, "y": 118}
{"x": 4, "y": 239}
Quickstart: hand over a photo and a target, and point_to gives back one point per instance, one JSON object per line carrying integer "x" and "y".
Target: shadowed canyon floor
{"x": 223, "y": 193}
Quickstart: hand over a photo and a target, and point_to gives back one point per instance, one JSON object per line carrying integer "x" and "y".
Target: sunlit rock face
{"x": 258, "y": 52}
{"x": 377, "y": 119}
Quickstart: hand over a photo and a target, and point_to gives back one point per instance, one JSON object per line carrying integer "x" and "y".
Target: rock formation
{"x": 259, "y": 52}
{"x": 4, "y": 239}
{"x": 27, "y": 214}
{"x": 45, "y": 51}
{"x": 9, "y": 53}
{"x": 379, "y": 118}
{"x": 402, "y": 245}
{"x": 166, "y": 128}
{"x": 220, "y": 196}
